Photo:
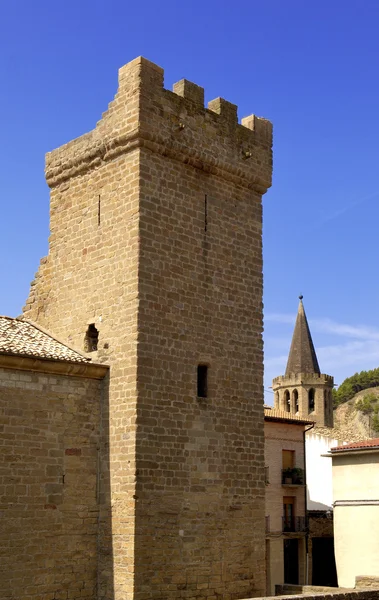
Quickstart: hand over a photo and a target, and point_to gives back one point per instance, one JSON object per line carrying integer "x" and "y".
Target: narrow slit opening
{"x": 202, "y": 381}
{"x": 91, "y": 339}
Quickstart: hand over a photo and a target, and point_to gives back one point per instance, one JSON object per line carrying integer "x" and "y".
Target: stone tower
{"x": 304, "y": 390}
{"x": 155, "y": 268}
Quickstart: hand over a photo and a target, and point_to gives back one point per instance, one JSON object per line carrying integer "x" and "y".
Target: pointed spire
{"x": 302, "y": 357}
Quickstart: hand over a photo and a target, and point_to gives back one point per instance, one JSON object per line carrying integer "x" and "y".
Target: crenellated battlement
{"x": 174, "y": 123}
{"x": 297, "y": 379}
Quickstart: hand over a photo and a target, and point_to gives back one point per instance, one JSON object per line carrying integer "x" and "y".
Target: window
{"x": 92, "y": 338}
{"x": 288, "y": 513}
{"x": 295, "y": 397}
{"x": 288, "y": 459}
{"x": 287, "y": 403}
{"x": 288, "y": 464}
{"x": 311, "y": 400}
{"x": 202, "y": 381}
{"x": 289, "y": 507}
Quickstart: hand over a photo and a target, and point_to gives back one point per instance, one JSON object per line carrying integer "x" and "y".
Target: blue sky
{"x": 310, "y": 67}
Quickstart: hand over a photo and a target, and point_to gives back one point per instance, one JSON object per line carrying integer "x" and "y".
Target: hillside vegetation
{"x": 356, "y": 419}
{"x": 352, "y": 385}
{"x": 369, "y": 405}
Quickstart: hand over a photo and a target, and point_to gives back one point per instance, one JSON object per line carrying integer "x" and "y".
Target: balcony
{"x": 294, "y": 476}
{"x": 293, "y": 524}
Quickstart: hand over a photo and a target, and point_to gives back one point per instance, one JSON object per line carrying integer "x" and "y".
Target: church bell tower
{"x": 304, "y": 390}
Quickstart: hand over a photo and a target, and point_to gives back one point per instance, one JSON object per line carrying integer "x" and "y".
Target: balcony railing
{"x": 293, "y": 476}
{"x": 294, "y": 524}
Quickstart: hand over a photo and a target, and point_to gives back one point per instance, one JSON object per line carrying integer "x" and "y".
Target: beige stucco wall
{"x": 356, "y": 515}
{"x": 275, "y": 564}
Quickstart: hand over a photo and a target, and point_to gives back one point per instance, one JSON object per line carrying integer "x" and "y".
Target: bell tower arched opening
{"x": 295, "y": 401}
{"x": 287, "y": 401}
{"x": 311, "y": 400}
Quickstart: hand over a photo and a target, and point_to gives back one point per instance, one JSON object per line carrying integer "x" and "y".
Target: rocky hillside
{"x": 351, "y": 424}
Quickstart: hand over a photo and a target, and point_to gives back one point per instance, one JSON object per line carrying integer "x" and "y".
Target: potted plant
{"x": 287, "y": 475}
{"x": 297, "y": 475}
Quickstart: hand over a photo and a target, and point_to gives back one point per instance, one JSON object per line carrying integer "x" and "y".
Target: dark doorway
{"x": 291, "y": 561}
{"x": 323, "y": 562}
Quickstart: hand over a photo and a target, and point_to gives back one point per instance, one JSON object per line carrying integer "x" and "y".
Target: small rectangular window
{"x": 288, "y": 459}
{"x": 202, "y": 381}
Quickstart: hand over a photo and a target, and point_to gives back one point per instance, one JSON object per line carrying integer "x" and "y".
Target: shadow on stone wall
{"x": 105, "y": 587}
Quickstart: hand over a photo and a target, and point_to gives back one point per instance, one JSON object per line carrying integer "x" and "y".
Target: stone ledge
{"x": 49, "y": 366}
{"x": 97, "y": 154}
{"x": 329, "y": 593}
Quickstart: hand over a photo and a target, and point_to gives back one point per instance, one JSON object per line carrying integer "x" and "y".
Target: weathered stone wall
{"x": 156, "y": 239}
{"x": 49, "y": 484}
{"x": 325, "y": 593}
{"x": 91, "y": 276}
{"x": 320, "y": 526}
{"x": 367, "y": 582}
{"x": 200, "y": 483}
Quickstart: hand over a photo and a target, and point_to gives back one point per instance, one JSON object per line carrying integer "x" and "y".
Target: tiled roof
{"x": 280, "y": 415}
{"x": 19, "y": 337}
{"x": 372, "y": 443}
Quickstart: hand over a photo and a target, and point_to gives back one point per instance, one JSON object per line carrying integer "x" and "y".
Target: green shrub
{"x": 375, "y": 422}
{"x": 368, "y": 404}
{"x": 360, "y": 381}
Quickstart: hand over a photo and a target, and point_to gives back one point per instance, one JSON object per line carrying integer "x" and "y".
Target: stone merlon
{"x": 175, "y": 124}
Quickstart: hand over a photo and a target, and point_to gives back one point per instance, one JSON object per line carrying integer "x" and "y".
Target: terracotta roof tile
{"x": 277, "y": 415}
{"x": 23, "y": 338}
{"x": 372, "y": 443}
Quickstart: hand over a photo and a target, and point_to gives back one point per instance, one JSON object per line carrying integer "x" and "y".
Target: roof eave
{"x": 289, "y": 420}
{"x": 366, "y": 450}
{"x": 52, "y": 366}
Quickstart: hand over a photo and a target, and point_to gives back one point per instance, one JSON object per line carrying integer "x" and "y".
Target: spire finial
{"x": 301, "y": 297}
